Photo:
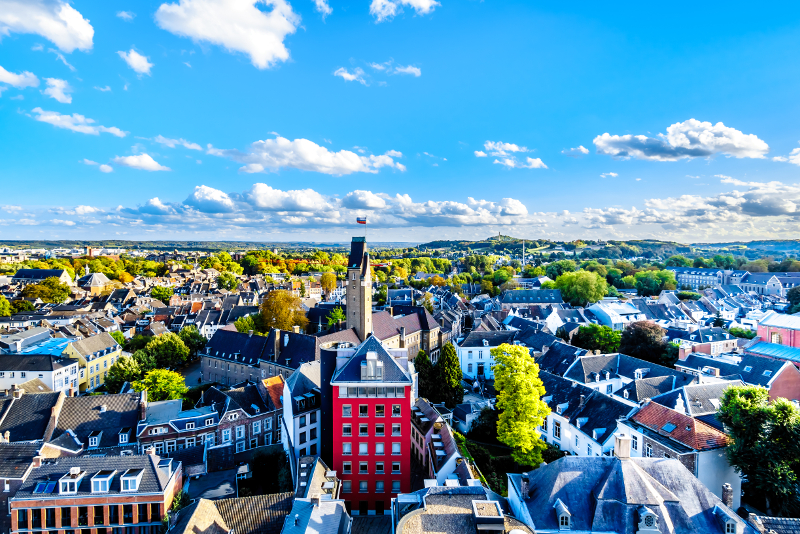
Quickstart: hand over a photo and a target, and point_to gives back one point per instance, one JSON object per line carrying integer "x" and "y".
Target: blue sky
{"x": 284, "y": 120}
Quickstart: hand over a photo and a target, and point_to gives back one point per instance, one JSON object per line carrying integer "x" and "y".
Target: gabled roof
{"x": 351, "y": 370}
{"x": 84, "y": 415}
{"x": 26, "y": 418}
{"x": 646, "y": 388}
{"x": 16, "y": 458}
{"x": 95, "y": 344}
{"x": 249, "y": 400}
{"x": 696, "y": 399}
{"x": 249, "y": 349}
{"x": 590, "y": 368}
{"x": 679, "y": 427}
{"x": 559, "y": 357}
{"x": 274, "y": 387}
{"x": 532, "y": 296}
{"x": 37, "y": 274}
{"x": 775, "y": 350}
{"x": 494, "y": 338}
{"x": 780, "y": 320}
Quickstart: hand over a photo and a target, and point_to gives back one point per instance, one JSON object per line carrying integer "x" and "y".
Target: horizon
{"x": 436, "y": 120}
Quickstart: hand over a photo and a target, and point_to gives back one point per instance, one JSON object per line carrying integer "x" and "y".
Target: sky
{"x": 278, "y": 120}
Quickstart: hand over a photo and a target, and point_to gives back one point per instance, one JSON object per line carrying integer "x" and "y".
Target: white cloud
{"x": 140, "y": 161}
{"x": 106, "y": 168}
{"x": 576, "y": 152}
{"x": 210, "y": 200}
{"x": 499, "y": 148}
{"x": 380, "y": 66}
{"x": 88, "y": 162}
{"x": 20, "y": 81}
{"x": 688, "y": 139}
{"x": 61, "y": 58}
{"x": 274, "y": 154}
{"x": 368, "y": 200}
{"x": 59, "y": 90}
{"x": 103, "y": 89}
{"x": 480, "y": 154}
{"x": 356, "y": 76}
{"x": 394, "y": 154}
{"x": 172, "y": 143}
{"x": 86, "y": 210}
{"x": 323, "y": 8}
{"x": 264, "y": 198}
{"x": 386, "y": 9}
{"x": 126, "y": 15}
{"x": 780, "y": 158}
{"x": 136, "y": 61}
{"x": 237, "y": 25}
{"x": 409, "y": 70}
{"x": 793, "y": 158}
{"x": 55, "y": 20}
{"x": 62, "y": 222}
{"x": 514, "y": 163}
{"x": 75, "y": 122}
{"x": 609, "y": 174}
{"x": 11, "y": 208}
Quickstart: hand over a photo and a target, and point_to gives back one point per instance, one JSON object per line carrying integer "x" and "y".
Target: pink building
{"x": 780, "y": 329}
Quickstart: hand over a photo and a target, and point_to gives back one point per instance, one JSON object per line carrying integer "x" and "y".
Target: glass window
{"x": 395, "y": 486}
{"x": 557, "y": 429}
{"x": 395, "y": 467}
{"x": 347, "y": 467}
{"x": 363, "y": 429}
{"x": 395, "y": 410}
{"x": 302, "y": 437}
{"x": 379, "y": 468}
{"x": 635, "y": 443}
{"x": 363, "y": 468}
{"x": 347, "y": 410}
{"x": 363, "y": 486}
{"x": 347, "y": 430}
{"x": 395, "y": 449}
{"x": 312, "y": 434}
{"x": 396, "y": 429}
{"x": 363, "y": 449}
{"x": 379, "y": 448}
{"x": 347, "y": 486}
{"x": 363, "y": 410}
{"x": 347, "y": 448}
{"x": 379, "y": 486}
{"x": 302, "y": 421}
{"x": 379, "y": 430}
{"x": 379, "y": 410}
{"x": 312, "y": 418}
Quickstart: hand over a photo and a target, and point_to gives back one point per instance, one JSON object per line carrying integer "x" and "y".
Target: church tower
{"x": 359, "y": 289}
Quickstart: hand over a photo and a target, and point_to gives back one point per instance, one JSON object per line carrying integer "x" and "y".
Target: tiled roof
{"x": 37, "y": 274}
{"x": 33, "y": 363}
{"x": 91, "y": 345}
{"x": 559, "y": 357}
{"x": 347, "y": 335}
{"x": 294, "y": 349}
{"x": 248, "y": 399}
{"x": 781, "y": 525}
{"x": 532, "y": 296}
{"x": 351, "y": 371}
{"x": 226, "y": 344}
{"x": 190, "y": 456}
{"x": 202, "y": 516}
{"x": 15, "y": 458}
{"x": 696, "y": 399}
{"x": 263, "y": 514}
{"x": 26, "y": 418}
{"x": 647, "y": 388}
{"x": 589, "y": 367}
{"x": 274, "y": 387}
{"x": 679, "y": 427}
{"x": 494, "y": 338}
{"x": 84, "y": 415}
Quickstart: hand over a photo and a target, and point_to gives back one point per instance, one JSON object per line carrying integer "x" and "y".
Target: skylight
{"x": 669, "y": 427}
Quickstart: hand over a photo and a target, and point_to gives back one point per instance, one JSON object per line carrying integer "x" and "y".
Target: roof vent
{"x": 74, "y": 470}
{"x": 103, "y": 408}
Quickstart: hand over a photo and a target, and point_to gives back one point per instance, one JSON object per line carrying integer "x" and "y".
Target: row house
{"x": 615, "y": 314}
{"x": 95, "y": 355}
{"x": 57, "y": 373}
{"x": 581, "y": 421}
{"x": 475, "y": 354}
{"x": 302, "y": 412}
{"x": 780, "y": 329}
{"x": 132, "y": 493}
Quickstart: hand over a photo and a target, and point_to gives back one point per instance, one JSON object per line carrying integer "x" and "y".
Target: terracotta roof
{"x": 274, "y": 387}
{"x": 679, "y": 427}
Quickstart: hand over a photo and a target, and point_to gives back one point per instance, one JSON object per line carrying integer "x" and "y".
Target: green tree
{"x": 765, "y": 444}
{"x": 328, "y": 282}
{"x": 137, "y": 342}
{"x": 168, "y": 350}
{"x": 793, "y": 296}
{"x": 281, "y": 310}
{"x": 427, "y": 302}
{"x": 247, "y": 323}
{"x": 227, "y": 280}
{"x": 161, "y": 384}
{"x": 125, "y": 369}
{"x": 581, "y": 287}
{"x": 597, "y": 337}
{"x": 336, "y": 316}
{"x": 48, "y": 290}
{"x": 5, "y": 307}
{"x": 719, "y": 322}
{"x": 161, "y": 293}
{"x": 426, "y": 381}
{"x": 448, "y": 377}
{"x": 557, "y": 268}
{"x": 144, "y": 360}
{"x": 742, "y": 333}
{"x": 679, "y": 261}
{"x": 20, "y": 306}
{"x": 519, "y": 401}
{"x": 193, "y": 339}
{"x": 644, "y": 340}
{"x": 119, "y": 338}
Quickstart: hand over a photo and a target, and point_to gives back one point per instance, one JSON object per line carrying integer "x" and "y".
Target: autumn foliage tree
{"x": 281, "y": 310}
{"x": 519, "y": 400}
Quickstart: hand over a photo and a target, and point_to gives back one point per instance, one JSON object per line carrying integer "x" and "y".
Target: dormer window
{"x": 123, "y": 435}
{"x": 102, "y": 481}
{"x": 94, "y": 439}
{"x": 69, "y": 483}
{"x": 564, "y": 517}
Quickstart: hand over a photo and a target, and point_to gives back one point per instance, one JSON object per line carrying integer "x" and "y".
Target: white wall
{"x": 713, "y": 470}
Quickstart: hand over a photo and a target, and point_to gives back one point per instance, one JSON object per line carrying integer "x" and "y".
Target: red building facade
{"x": 372, "y": 397}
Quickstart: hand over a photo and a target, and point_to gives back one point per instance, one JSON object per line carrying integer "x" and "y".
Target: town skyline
{"x": 291, "y": 119}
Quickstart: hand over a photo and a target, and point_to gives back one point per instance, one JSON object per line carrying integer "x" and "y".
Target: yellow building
{"x": 95, "y": 355}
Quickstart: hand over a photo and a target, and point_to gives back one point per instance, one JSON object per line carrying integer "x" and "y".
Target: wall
{"x": 786, "y": 384}
{"x": 713, "y": 470}
{"x": 790, "y": 338}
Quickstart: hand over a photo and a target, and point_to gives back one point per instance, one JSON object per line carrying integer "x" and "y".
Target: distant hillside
{"x": 210, "y": 246}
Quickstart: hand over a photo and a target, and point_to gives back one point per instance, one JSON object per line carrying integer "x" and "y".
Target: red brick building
{"x": 780, "y": 329}
{"x": 372, "y": 397}
{"x": 115, "y": 494}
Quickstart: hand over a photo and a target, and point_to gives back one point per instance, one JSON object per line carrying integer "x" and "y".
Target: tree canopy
{"x": 426, "y": 382}
{"x": 336, "y": 316}
{"x": 161, "y": 384}
{"x": 328, "y": 282}
{"x": 193, "y": 339}
{"x": 161, "y": 293}
{"x": 581, "y": 287}
{"x": 644, "y": 340}
{"x": 281, "y": 310}
{"x": 519, "y": 401}
{"x": 168, "y": 350}
{"x": 228, "y": 281}
{"x": 448, "y": 377}
{"x": 5, "y": 307}
{"x": 48, "y": 290}
{"x": 597, "y": 337}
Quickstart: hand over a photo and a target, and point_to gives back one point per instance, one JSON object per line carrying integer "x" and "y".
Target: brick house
{"x": 17, "y": 460}
{"x": 167, "y": 428}
{"x": 659, "y": 432}
{"x": 110, "y": 492}
{"x": 780, "y": 329}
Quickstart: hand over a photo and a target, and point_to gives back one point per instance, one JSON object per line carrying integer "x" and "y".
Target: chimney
{"x": 524, "y": 486}
{"x": 296, "y": 329}
{"x": 71, "y": 391}
{"x": 727, "y": 495}
{"x": 143, "y": 406}
{"x": 622, "y": 446}
{"x": 7, "y": 436}
{"x": 151, "y": 451}
{"x": 277, "y": 343}
{"x": 37, "y": 461}
{"x": 296, "y": 519}
{"x": 583, "y": 400}
{"x": 250, "y": 333}
{"x": 16, "y": 392}
{"x": 315, "y": 501}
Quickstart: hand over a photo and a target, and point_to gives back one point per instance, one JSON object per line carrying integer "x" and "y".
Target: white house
{"x": 57, "y": 372}
{"x": 302, "y": 403}
{"x": 475, "y": 355}
{"x": 616, "y": 314}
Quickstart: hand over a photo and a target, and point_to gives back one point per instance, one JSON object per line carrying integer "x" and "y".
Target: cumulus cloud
{"x": 172, "y": 143}
{"x": 11, "y": 208}
{"x": 88, "y": 162}
{"x": 609, "y": 174}
{"x": 480, "y": 154}
{"x": 140, "y": 161}
{"x": 237, "y": 25}
{"x": 793, "y": 158}
{"x": 356, "y": 76}
{"x": 20, "y": 81}
{"x": 684, "y": 140}
{"x": 106, "y": 168}
{"x": 323, "y": 8}
{"x": 55, "y": 20}
{"x": 103, "y": 89}
{"x": 264, "y": 198}
{"x": 366, "y": 200}
{"x": 410, "y": 69}
{"x": 384, "y": 10}
{"x": 136, "y": 61}
{"x": 576, "y": 152}
{"x": 278, "y": 153}
{"x": 82, "y": 210}
{"x": 75, "y": 122}
{"x": 210, "y": 200}
{"x": 59, "y": 90}
{"x": 62, "y": 222}
{"x": 126, "y": 15}
{"x": 514, "y": 163}
{"x": 499, "y": 148}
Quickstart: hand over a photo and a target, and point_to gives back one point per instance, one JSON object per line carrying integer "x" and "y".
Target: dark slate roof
{"x": 560, "y": 391}
{"x": 248, "y": 349}
{"x": 67, "y": 441}
{"x": 154, "y": 480}
{"x": 536, "y": 339}
{"x": 15, "y": 458}
{"x": 37, "y": 274}
{"x": 295, "y": 349}
{"x": 84, "y": 415}
{"x": 496, "y": 338}
{"x": 699, "y": 361}
{"x": 532, "y": 296}
{"x": 608, "y": 494}
{"x": 647, "y": 388}
{"x": 751, "y": 369}
{"x": 351, "y": 371}
{"x": 191, "y": 456}
{"x": 329, "y": 517}
{"x": 33, "y": 363}
{"x": 26, "y": 418}
{"x": 706, "y": 335}
{"x": 248, "y": 399}
{"x": 589, "y": 367}
{"x": 358, "y": 253}
{"x": 781, "y": 525}
{"x": 559, "y": 357}
{"x": 263, "y": 514}
{"x": 696, "y": 399}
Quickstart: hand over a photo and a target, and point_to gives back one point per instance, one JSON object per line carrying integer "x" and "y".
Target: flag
{"x": 361, "y": 220}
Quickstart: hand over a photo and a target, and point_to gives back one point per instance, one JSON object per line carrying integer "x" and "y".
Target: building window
{"x": 395, "y": 410}
{"x": 379, "y": 430}
{"x": 347, "y": 410}
{"x": 379, "y": 486}
{"x": 363, "y": 429}
{"x": 363, "y": 410}
{"x": 395, "y": 449}
{"x": 363, "y": 486}
{"x": 347, "y": 468}
{"x": 347, "y": 449}
{"x": 302, "y": 421}
{"x": 239, "y": 446}
{"x": 312, "y": 417}
{"x": 648, "y": 451}
{"x": 363, "y": 449}
{"x": 226, "y": 435}
{"x": 209, "y": 422}
{"x": 256, "y": 427}
{"x": 730, "y": 527}
{"x": 544, "y": 425}
{"x": 563, "y": 522}
{"x": 469, "y": 367}
{"x": 240, "y": 432}
{"x": 347, "y": 430}
{"x": 635, "y": 443}
{"x": 396, "y": 429}
{"x": 378, "y": 468}
{"x": 379, "y": 410}
{"x": 395, "y": 467}
{"x": 363, "y": 468}
{"x": 395, "y": 486}
{"x": 379, "y": 448}
{"x": 347, "y": 486}
{"x": 312, "y": 434}
{"x": 557, "y": 429}
{"x": 302, "y": 437}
